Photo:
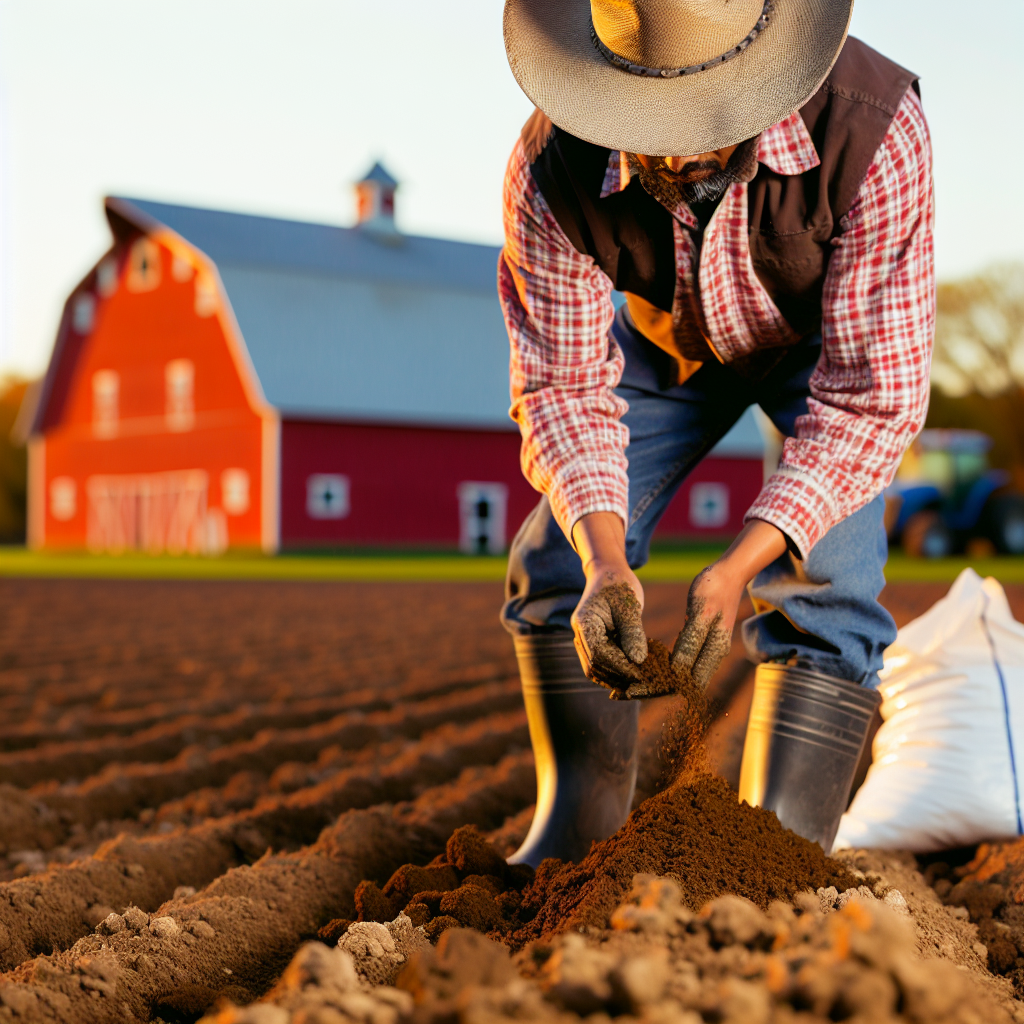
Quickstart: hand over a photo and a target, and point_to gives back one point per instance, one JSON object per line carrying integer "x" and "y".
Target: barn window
{"x": 234, "y": 491}
{"x": 106, "y": 387}
{"x": 63, "y": 498}
{"x": 205, "y": 303}
{"x": 143, "y": 265}
{"x": 83, "y": 313}
{"x": 179, "y": 385}
{"x": 106, "y": 277}
{"x": 482, "y": 509}
{"x": 327, "y": 496}
{"x": 709, "y": 505}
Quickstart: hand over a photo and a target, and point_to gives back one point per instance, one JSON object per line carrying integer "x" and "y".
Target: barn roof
{"x": 343, "y": 324}
{"x": 340, "y": 323}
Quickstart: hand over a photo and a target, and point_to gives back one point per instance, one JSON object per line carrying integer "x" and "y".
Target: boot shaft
{"x": 804, "y": 740}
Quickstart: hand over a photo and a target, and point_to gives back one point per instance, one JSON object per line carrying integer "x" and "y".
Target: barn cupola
{"x": 375, "y": 202}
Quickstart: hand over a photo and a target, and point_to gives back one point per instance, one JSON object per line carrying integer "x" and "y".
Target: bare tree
{"x": 979, "y": 333}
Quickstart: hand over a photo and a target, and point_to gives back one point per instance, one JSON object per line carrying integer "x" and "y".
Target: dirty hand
{"x": 607, "y": 625}
{"x": 609, "y": 632}
{"x": 714, "y": 600}
{"x": 711, "y": 608}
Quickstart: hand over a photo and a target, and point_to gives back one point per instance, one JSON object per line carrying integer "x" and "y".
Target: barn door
{"x": 482, "y": 517}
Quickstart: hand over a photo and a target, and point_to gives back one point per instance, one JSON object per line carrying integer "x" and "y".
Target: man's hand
{"x": 714, "y": 600}
{"x": 607, "y": 625}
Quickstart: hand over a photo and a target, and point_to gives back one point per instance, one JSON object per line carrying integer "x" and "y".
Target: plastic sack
{"x": 948, "y": 761}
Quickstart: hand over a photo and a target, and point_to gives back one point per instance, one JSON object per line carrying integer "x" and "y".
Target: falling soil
{"x": 696, "y": 832}
{"x": 657, "y": 677}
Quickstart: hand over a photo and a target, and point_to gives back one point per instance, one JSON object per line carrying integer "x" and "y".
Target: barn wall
{"x": 402, "y": 485}
{"x": 149, "y": 433}
{"x": 402, "y": 481}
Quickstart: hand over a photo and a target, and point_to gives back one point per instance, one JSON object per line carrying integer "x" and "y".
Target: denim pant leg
{"x": 823, "y": 612}
{"x": 545, "y": 577}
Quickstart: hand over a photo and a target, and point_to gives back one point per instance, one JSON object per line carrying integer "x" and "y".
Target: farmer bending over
{"x": 758, "y": 186}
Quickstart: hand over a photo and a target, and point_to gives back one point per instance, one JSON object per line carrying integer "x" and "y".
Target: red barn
{"x": 227, "y": 380}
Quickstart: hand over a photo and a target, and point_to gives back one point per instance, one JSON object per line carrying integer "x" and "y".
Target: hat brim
{"x": 555, "y": 62}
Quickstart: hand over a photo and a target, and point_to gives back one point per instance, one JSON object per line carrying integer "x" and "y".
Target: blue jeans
{"x": 822, "y": 612}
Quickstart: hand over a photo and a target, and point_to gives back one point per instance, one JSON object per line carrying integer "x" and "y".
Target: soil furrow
{"x": 80, "y": 759}
{"x": 295, "y": 710}
{"x": 52, "y": 910}
{"x": 46, "y": 818}
{"x": 235, "y": 936}
{"x": 199, "y": 725}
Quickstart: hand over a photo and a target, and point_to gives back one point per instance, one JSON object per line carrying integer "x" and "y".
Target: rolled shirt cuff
{"x": 798, "y": 505}
{"x": 586, "y": 487}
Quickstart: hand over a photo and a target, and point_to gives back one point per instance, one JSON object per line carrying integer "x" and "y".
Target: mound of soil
{"x": 696, "y": 832}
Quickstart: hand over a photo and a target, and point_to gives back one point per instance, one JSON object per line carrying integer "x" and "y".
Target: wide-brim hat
{"x": 672, "y": 77}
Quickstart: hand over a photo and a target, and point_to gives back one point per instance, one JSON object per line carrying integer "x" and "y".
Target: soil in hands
{"x": 696, "y": 831}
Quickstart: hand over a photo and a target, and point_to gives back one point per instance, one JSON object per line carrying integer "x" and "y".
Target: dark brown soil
{"x": 157, "y": 738}
{"x": 697, "y": 833}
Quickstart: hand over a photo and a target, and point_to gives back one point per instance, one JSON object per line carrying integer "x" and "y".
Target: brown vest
{"x": 793, "y": 218}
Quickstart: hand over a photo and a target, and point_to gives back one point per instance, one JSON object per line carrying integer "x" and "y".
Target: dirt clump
{"x": 655, "y": 676}
{"x": 469, "y": 885}
{"x": 733, "y": 963}
{"x": 321, "y": 984}
{"x": 380, "y": 950}
{"x": 989, "y": 891}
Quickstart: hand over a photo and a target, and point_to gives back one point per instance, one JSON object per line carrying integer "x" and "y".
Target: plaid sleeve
{"x": 558, "y": 311}
{"x": 869, "y": 392}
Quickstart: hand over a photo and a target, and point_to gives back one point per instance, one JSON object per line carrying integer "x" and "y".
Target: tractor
{"x": 946, "y": 499}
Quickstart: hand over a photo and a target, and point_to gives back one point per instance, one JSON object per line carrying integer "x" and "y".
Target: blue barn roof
{"x": 343, "y": 323}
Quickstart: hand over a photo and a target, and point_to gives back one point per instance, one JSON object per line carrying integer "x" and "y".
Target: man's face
{"x": 685, "y": 170}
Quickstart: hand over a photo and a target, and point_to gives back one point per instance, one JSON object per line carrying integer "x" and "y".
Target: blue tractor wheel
{"x": 927, "y": 536}
{"x": 1002, "y": 521}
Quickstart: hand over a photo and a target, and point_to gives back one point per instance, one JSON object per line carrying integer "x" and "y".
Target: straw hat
{"x": 672, "y": 77}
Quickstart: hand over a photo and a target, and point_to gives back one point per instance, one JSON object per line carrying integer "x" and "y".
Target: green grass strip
{"x": 675, "y": 566}
{"x": 252, "y": 567}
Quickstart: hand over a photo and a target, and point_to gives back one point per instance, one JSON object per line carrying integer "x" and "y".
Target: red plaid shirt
{"x": 869, "y": 392}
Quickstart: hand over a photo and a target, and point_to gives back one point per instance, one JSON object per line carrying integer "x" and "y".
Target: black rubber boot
{"x": 585, "y": 747}
{"x": 804, "y": 738}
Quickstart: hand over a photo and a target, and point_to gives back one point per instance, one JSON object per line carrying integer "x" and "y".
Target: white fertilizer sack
{"x": 948, "y": 761}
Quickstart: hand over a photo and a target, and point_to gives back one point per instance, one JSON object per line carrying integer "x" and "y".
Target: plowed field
{"x": 258, "y": 749}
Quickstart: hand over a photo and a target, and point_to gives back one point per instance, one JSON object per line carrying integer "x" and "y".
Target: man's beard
{"x": 670, "y": 192}
{"x": 668, "y": 188}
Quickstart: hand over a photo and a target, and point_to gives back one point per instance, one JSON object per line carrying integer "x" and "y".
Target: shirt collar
{"x": 785, "y": 148}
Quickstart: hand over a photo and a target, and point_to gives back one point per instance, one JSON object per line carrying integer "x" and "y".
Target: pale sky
{"x": 275, "y": 108}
